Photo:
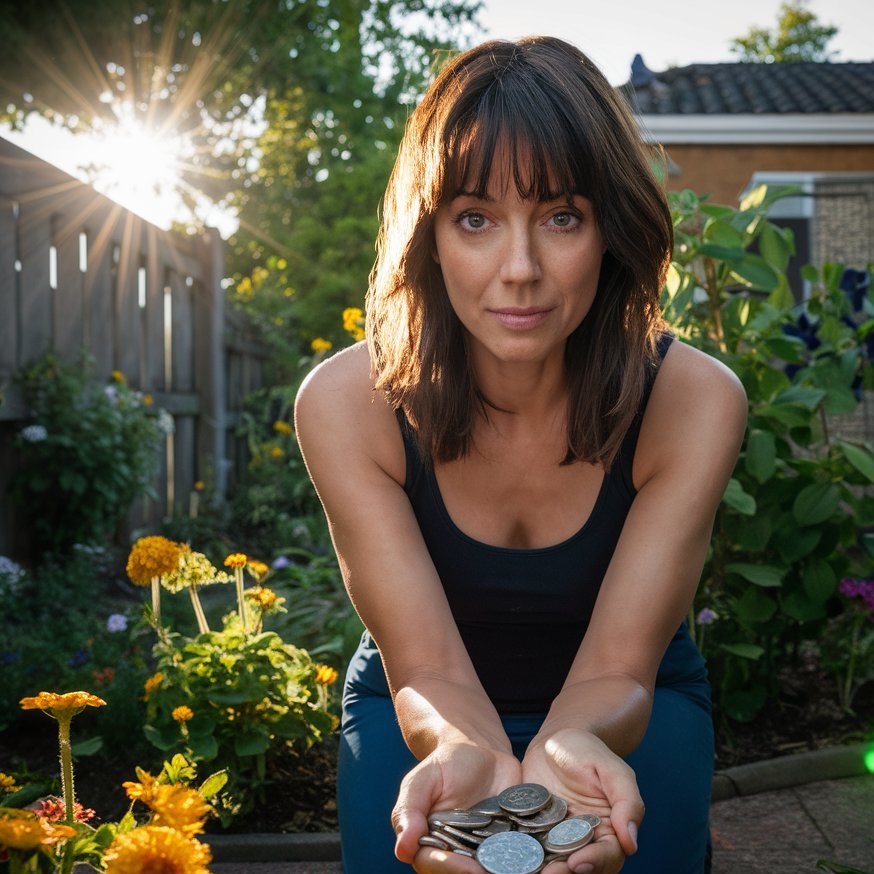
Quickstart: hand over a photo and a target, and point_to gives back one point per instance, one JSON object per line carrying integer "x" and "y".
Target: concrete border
{"x": 794, "y": 769}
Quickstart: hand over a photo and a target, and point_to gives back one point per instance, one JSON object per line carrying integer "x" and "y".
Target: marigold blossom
{"x": 158, "y": 849}
{"x": 236, "y": 560}
{"x": 264, "y": 597}
{"x": 257, "y": 568}
{"x": 182, "y": 713}
{"x": 55, "y": 703}
{"x": 320, "y": 344}
{"x": 153, "y": 682}
{"x": 325, "y": 675}
{"x": 151, "y": 557}
{"x": 282, "y": 427}
{"x": 26, "y": 830}
{"x": 179, "y": 807}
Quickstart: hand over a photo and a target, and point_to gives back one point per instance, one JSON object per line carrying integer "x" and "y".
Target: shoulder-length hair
{"x": 567, "y": 128}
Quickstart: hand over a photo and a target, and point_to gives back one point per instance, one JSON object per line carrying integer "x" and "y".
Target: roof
{"x": 752, "y": 89}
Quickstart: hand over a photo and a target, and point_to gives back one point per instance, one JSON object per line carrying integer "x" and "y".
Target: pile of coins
{"x": 518, "y": 831}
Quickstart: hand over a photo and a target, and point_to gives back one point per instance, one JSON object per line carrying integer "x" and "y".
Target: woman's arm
{"x": 354, "y": 452}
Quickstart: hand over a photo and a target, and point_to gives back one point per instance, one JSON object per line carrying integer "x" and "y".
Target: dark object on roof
{"x": 751, "y": 89}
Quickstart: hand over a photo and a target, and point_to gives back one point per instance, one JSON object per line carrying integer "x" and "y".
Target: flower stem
{"x": 66, "y": 756}
{"x": 241, "y": 600}
{"x": 202, "y": 625}
{"x": 156, "y": 599}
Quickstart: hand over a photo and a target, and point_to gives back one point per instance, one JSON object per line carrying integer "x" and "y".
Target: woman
{"x": 520, "y": 470}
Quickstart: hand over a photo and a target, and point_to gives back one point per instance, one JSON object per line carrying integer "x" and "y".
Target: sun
{"x": 138, "y": 167}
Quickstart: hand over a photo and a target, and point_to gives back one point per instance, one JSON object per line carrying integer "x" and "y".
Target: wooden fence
{"x": 78, "y": 272}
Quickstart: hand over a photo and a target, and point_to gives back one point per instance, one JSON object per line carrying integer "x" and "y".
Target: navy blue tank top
{"x": 522, "y": 613}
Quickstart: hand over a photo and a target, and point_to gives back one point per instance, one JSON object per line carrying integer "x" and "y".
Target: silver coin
{"x": 454, "y": 842}
{"x": 524, "y": 798}
{"x": 469, "y": 838}
{"x": 496, "y": 826}
{"x": 489, "y": 806}
{"x": 510, "y": 853}
{"x": 569, "y": 835}
{"x": 458, "y": 818}
{"x": 554, "y": 812}
{"x": 592, "y": 818}
{"x": 433, "y": 841}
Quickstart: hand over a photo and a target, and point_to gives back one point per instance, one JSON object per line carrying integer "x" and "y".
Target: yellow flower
{"x": 277, "y": 451}
{"x": 192, "y": 569}
{"x": 157, "y": 850}
{"x": 199, "y": 485}
{"x": 236, "y": 560}
{"x": 54, "y": 703}
{"x": 148, "y": 400}
{"x": 182, "y": 713}
{"x": 153, "y": 682}
{"x": 257, "y": 568}
{"x": 353, "y": 322}
{"x": 8, "y": 784}
{"x": 320, "y": 344}
{"x": 282, "y": 427}
{"x": 152, "y": 557}
{"x": 117, "y": 376}
{"x": 24, "y": 830}
{"x": 143, "y": 791}
{"x": 264, "y": 597}
{"x": 325, "y": 675}
{"x": 179, "y": 807}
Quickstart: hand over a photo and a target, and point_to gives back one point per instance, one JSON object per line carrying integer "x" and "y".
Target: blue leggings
{"x": 673, "y": 764}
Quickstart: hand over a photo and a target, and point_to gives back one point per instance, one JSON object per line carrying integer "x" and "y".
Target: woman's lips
{"x": 519, "y": 319}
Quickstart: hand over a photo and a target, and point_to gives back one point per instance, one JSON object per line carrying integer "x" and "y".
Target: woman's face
{"x": 521, "y": 274}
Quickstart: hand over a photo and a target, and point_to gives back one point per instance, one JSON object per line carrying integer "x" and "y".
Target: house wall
{"x": 723, "y": 171}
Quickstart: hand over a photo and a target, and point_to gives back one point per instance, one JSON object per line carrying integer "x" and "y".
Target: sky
{"x": 670, "y": 33}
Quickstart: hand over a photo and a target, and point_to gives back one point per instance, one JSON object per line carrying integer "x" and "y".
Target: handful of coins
{"x": 518, "y": 831}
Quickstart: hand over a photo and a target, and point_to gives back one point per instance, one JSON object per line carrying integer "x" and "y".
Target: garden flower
{"x": 194, "y": 569}
{"x": 320, "y": 344}
{"x": 282, "y": 427}
{"x": 118, "y": 376}
{"x": 277, "y": 452}
{"x": 116, "y": 622}
{"x": 237, "y": 561}
{"x": 34, "y": 433}
{"x": 280, "y": 562}
{"x": 706, "y": 616}
{"x": 64, "y": 707}
{"x": 353, "y": 322}
{"x": 26, "y": 830}
{"x": 8, "y": 784}
{"x": 325, "y": 675}
{"x": 264, "y": 597}
{"x": 157, "y": 849}
{"x": 52, "y": 809}
{"x": 150, "y": 559}
{"x": 182, "y": 713}
{"x": 257, "y": 568}
{"x": 179, "y": 807}
{"x": 153, "y": 682}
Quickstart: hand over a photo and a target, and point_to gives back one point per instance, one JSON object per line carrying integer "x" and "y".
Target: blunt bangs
{"x": 516, "y": 120}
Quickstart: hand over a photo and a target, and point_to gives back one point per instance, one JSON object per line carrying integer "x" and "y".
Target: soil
{"x": 300, "y": 795}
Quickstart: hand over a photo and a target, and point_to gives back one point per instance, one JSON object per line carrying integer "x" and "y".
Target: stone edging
{"x": 766, "y": 776}
{"x": 832, "y": 763}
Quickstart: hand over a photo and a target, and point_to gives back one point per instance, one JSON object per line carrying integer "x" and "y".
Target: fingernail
{"x": 584, "y": 868}
{"x": 632, "y": 830}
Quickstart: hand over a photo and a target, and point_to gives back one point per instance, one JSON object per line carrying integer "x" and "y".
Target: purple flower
{"x": 864, "y": 589}
{"x": 280, "y": 562}
{"x": 706, "y": 617}
{"x": 116, "y": 622}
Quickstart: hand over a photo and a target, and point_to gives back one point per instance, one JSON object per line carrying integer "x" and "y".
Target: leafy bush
{"x": 87, "y": 452}
{"x": 793, "y": 520}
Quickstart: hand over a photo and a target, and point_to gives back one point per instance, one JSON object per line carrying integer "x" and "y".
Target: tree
{"x": 798, "y": 37}
{"x": 291, "y": 111}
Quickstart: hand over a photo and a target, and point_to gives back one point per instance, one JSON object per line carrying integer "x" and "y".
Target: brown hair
{"x": 559, "y": 114}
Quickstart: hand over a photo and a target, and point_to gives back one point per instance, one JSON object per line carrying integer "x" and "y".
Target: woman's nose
{"x": 521, "y": 263}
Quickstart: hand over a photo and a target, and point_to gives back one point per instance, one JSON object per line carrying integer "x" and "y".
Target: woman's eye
{"x": 564, "y": 219}
{"x": 472, "y": 221}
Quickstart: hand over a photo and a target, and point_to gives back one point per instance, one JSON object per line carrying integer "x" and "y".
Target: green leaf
{"x": 744, "y": 650}
{"x": 798, "y": 605}
{"x": 213, "y": 784}
{"x": 819, "y": 580}
{"x": 795, "y": 543}
{"x": 816, "y": 503}
{"x": 810, "y": 398}
{"x": 765, "y": 575}
{"x": 761, "y": 455}
{"x": 775, "y": 247}
{"x": 739, "y": 501}
{"x": 251, "y": 743}
{"x": 754, "y": 272}
{"x": 87, "y": 747}
{"x": 754, "y": 606}
{"x": 860, "y": 457}
{"x": 204, "y": 747}
{"x": 743, "y": 704}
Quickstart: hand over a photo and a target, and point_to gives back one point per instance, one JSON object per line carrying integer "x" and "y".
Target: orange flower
{"x": 182, "y": 713}
{"x": 325, "y": 675}
{"x": 157, "y": 849}
{"x": 54, "y": 703}
{"x": 25, "y": 830}
{"x": 152, "y": 557}
{"x": 236, "y": 560}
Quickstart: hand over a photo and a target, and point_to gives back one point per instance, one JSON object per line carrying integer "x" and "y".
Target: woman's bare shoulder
{"x": 337, "y": 410}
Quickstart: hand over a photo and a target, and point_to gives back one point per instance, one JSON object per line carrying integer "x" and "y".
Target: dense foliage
{"x": 798, "y": 36}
